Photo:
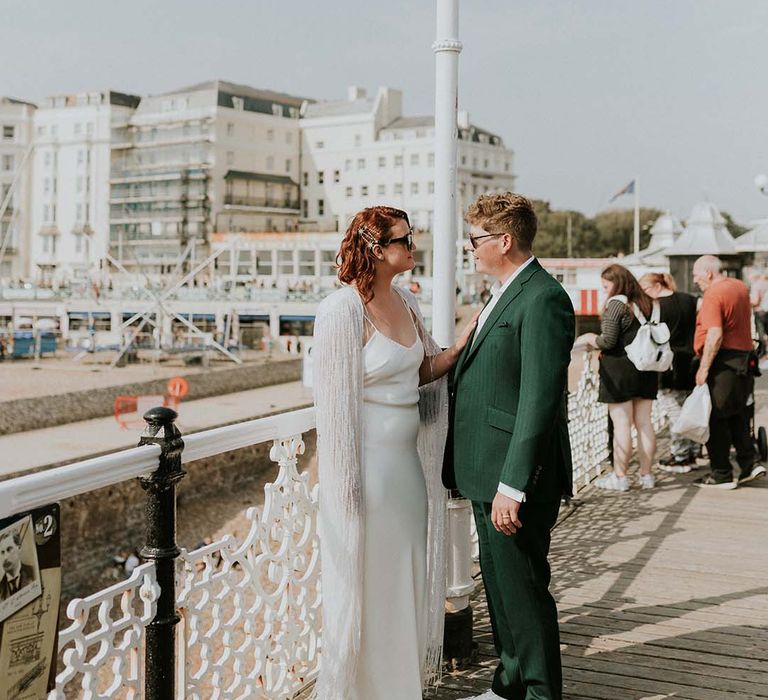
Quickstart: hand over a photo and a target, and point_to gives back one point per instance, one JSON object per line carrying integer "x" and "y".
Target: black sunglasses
{"x": 406, "y": 240}
{"x": 474, "y": 239}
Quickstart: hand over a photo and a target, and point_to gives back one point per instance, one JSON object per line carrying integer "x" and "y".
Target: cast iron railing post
{"x": 160, "y": 547}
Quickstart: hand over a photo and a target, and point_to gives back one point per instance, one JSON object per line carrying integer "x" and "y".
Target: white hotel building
{"x": 213, "y": 157}
{"x": 357, "y": 153}
{"x": 70, "y": 182}
{"x": 15, "y": 165}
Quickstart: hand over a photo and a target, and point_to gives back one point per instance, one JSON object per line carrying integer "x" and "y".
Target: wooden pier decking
{"x": 661, "y": 593}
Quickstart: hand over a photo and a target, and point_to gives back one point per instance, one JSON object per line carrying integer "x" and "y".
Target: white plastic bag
{"x": 693, "y": 422}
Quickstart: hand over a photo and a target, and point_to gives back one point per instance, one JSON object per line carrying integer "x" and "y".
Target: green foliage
{"x": 607, "y": 233}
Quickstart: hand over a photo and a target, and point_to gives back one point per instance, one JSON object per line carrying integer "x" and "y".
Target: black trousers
{"x": 725, "y": 431}
{"x": 731, "y": 384}
{"x": 523, "y": 614}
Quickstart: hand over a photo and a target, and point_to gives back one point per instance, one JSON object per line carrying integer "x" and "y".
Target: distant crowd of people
{"x": 712, "y": 341}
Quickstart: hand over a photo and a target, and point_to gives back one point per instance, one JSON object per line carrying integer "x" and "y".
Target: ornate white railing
{"x": 249, "y": 610}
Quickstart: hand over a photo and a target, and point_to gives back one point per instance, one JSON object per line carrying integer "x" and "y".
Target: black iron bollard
{"x": 161, "y": 547}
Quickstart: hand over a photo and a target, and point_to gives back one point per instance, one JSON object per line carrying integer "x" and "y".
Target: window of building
{"x": 47, "y": 158}
{"x": 398, "y": 188}
{"x": 319, "y": 144}
{"x": 305, "y": 178}
{"x": 348, "y": 191}
{"x": 430, "y": 159}
{"x": 431, "y": 187}
{"x": 80, "y": 156}
{"x": 364, "y": 190}
{"x": 79, "y": 211}
{"x": 398, "y": 161}
{"x": 474, "y": 162}
{"x": 485, "y": 163}
{"x": 87, "y": 184}
{"x": 79, "y": 183}
{"x": 40, "y": 130}
{"x": 305, "y": 208}
{"x": 230, "y": 157}
{"x": 382, "y": 162}
{"x": 506, "y": 167}
{"x": 327, "y": 263}
{"x": 320, "y": 177}
{"x": 47, "y": 185}
{"x": 288, "y": 164}
{"x": 285, "y": 262}
{"x": 55, "y": 183}
{"x": 9, "y": 132}
{"x": 270, "y": 134}
{"x": 7, "y": 162}
{"x": 277, "y": 110}
{"x": 78, "y": 243}
{"x": 89, "y": 128}
{"x": 307, "y": 263}
{"x": 358, "y": 139}
{"x": 336, "y": 176}
{"x": 270, "y": 163}
{"x": 230, "y": 129}
{"x": 414, "y": 158}
{"x": 264, "y": 263}
{"x": 46, "y": 244}
{"x": 463, "y": 160}
{"x": 289, "y": 137}
{"x": 381, "y": 190}
{"x": 78, "y": 128}
{"x": 54, "y": 129}
{"x": 320, "y": 207}
{"x": 414, "y": 188}
{"x": 347, "y": 165}
{"x": 46, "y": 213}
{"x": 361, "y": 163}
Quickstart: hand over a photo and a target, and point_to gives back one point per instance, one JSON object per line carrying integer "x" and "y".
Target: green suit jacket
{"x": 509, "y": 418}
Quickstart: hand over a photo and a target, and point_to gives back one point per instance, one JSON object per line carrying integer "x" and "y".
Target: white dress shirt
{"x": 496, "y": 292}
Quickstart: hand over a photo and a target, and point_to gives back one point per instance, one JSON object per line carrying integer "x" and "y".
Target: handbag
{"x": 650, "y": 350}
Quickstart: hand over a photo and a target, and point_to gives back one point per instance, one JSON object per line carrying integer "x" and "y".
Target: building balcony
{"x": 236, "y": 201}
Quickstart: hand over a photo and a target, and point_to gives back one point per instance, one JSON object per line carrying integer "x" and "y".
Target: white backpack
{"x": 649, "y": 351}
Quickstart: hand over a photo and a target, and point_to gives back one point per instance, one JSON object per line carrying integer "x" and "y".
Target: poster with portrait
{"x": 30, "y": 589}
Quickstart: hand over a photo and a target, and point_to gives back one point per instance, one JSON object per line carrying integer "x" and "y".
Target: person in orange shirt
{"x": 723, "y": 341}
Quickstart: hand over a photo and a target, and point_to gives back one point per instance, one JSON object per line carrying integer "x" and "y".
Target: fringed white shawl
{"x": 338, "y": 386}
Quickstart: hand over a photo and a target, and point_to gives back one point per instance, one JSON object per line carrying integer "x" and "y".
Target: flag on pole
{"x": 629, "y": 189}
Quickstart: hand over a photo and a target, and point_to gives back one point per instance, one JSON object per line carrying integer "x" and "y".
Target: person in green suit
{"x": 508, "y": 449}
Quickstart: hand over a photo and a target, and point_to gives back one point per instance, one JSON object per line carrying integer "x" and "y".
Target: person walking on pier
{"x": 628, "y": 392}
{"x": 678, "y": 311}
{"x": 508, "y": 449}
{"x": 380, "y": 441}
{"x": 724, "y": 343}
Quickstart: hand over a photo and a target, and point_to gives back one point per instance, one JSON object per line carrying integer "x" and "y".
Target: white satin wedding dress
{"x": 394, "y": 602}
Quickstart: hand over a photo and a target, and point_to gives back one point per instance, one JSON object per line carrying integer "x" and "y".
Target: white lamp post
{"x": 447, "y": 48}
{"x": 458, "y": 622}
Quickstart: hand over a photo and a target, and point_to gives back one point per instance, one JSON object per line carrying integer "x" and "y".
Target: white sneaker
{"x": 647, "y": 481}
{"x": 758, "y": 472}
{"x": 490, "y": 695}
{"x": 612, "y": 482}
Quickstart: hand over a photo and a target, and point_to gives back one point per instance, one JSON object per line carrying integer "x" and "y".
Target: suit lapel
{"x": 512, "y": 291}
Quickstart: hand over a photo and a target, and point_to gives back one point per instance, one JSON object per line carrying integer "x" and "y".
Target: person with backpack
{"x": 628, "y": 391}
{"x": 678, "y": 311}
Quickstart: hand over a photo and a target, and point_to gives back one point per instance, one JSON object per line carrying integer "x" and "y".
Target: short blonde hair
{"x": 506, "y": 212}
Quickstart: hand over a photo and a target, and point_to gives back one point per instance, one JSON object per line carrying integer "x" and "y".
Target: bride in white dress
{"x": 380, "y": 440}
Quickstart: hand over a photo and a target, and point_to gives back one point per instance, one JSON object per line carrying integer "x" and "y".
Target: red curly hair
{"x": 355, "y": 258}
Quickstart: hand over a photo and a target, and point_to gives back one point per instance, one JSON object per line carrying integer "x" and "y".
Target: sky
{"x": 589, "y": 94}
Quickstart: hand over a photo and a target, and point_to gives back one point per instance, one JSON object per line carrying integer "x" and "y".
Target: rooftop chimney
{"x": 355, "y": 92}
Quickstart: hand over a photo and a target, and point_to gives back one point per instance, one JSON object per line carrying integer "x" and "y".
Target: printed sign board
{"x": 30, "y": 589}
